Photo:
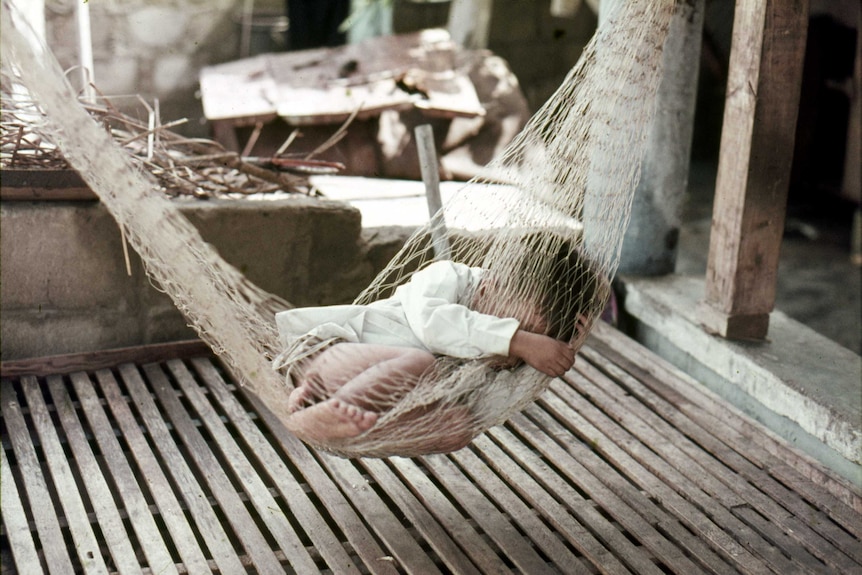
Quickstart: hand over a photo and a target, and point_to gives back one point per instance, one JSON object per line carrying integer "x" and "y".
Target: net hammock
{"x": 562, "y": 191}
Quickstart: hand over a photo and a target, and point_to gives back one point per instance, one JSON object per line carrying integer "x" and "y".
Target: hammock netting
{"x": 564, "y": 186}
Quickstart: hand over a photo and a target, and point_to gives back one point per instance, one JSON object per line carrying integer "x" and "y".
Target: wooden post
{"x": 430, "y": 167}
{"x": 762, "y": 101}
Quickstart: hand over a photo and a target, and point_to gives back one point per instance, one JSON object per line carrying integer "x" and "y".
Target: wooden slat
{"x": 622, "y": 467}
{"x": 403, "y": 548}
{"x": 334, "y": 501}
{"x": 618, "y": 497}
{"x": 17, "y": 528}
{"x": 339, "y": 509}
{"x": 670, "y": 465}
{"x": 798, "y": 471}
{"x": 99, "y": 493}
{"x": 181, "y": 533}
{"x": 137, "y": 509}
{"x": 495, "y": 524}
{"x": 44, "y": 515}
{"x": 682, "y": 510}
{"x": 267, "y": 508}
{"x": 577, "y": 518}
{"x": 698, "y": 468}
{"x": 420, "y": 517}
{"x": 301, "y": 506}
{"x": 448, "y": 515}
{"x": 86, "y": 546}
{"x": 769, "y": 497}
{"x": 526, "y": 518}
{"x": 213, "y": 474}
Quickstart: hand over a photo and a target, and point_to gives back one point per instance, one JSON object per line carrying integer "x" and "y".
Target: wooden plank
{"x": 706, "y": 468}
{"x": 668, "y": 472}
{"x": 419, "y": 516}
{"x": 340, "y": 510}
{"x": 568, "y": 420}
{"x": 764, "y": 79}
{"x": 137, "y": 509}
{"x": 630, "y": 506}
{"x": 85, "y": 545}
{"x": 791, "y": 467}
{"x": 99, "y": 493}
{"x": 495, "y": 524}
{"x": 91, "y": 361}
{"x": 82, "y": 194}
{"x": 267, "y": 508}
{"x": 575, "y": 518}
{"x": 409, "y": 556}
{"x": 181, "y": 534}
{"x": 45, "y": 518}
{"x": 15, "y": 524}
{"x": 449, "y": 517}
{"x": 769, "y": 497}
{"x": 524, "y": 515}
{"x": 304, "y": 510}
{"x": 213, "y": 474}
{"x": 21, "y": 184}
{"x": 313, "y": 87}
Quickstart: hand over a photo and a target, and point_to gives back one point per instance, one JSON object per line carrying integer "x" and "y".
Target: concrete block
{"x": 62, "y": 256}
{"x": 164, "y": 323}
{"x": 65, "y": 288}
{"x": 27, "y": 333}
{"x": 303, "y": 249}
{"x": 805, "y": 387}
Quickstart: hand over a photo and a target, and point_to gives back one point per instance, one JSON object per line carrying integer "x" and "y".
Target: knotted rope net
{"x": 546, "y": 220}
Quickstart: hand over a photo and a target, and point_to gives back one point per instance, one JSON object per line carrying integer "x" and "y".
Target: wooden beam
{"x": 762, "y": 101}
{"x": 101, "y": 359}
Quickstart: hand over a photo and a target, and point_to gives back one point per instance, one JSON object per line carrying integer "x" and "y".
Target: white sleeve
{"x": 444, "y": 326}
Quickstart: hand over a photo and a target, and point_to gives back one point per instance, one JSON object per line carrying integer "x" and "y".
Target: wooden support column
{"x": 762, "y": 101}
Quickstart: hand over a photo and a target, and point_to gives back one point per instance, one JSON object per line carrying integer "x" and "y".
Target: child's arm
{"x": 546, "y": 354}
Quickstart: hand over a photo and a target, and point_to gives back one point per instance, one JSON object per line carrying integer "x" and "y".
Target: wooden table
{"x": 255, "y": 103}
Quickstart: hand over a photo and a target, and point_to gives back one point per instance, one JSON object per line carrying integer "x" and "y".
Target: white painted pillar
{"x": 650, "y": 244}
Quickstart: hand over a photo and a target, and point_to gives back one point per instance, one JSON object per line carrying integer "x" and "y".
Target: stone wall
{"x": 155, "y": 48}
{"x": 64, "y": 286}
{"x": 151, "y": 48}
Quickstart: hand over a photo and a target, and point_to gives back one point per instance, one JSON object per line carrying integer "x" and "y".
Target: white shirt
{"x": 429, "y": 312}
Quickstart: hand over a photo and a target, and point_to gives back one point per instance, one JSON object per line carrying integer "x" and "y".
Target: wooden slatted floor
{"x": 626, "y": 466}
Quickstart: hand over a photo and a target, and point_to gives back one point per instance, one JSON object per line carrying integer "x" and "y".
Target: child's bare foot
{"x": 332, "y": 419}
{"x": 297, "y": 398}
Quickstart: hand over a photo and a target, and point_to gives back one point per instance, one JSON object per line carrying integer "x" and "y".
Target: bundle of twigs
{"x": 182, "y": 166}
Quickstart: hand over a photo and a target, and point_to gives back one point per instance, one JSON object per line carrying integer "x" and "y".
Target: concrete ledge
{"x": 64, "y": 286}
{"x": 800, "y": 384}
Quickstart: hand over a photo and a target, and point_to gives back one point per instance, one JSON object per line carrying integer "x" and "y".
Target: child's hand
{"x": 546, "y": 354}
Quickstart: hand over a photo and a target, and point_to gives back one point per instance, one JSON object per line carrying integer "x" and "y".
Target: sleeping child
{"x": 371, "y": 355}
